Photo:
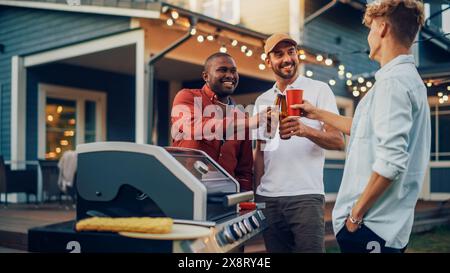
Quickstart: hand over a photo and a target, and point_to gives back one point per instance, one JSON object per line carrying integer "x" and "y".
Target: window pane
{"x": 89, "y": 122}
{"x": 444, "y": 133}
{"x": 60, "y": 127}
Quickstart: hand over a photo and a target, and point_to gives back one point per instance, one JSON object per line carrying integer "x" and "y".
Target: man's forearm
{"x": 326, "y": 140}
{"x": 341, "y": 123}
{"x": 375, "y": 188}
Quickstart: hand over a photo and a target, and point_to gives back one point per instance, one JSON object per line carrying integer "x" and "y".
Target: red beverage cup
{"x": 294, "y": 96}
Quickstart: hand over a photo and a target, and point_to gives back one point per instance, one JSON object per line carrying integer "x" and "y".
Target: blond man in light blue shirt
{"x": 389, "y": 147}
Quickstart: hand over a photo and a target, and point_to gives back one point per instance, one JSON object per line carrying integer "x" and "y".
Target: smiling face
{"x": 284, "y": 60}
{"x": 221, "y": 75}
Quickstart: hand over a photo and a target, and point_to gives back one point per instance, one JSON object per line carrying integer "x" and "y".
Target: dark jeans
{"x": 363, "y": 240}
{"x": 295, "y": 223}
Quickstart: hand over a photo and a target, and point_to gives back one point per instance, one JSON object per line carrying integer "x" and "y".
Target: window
{"x": 68, "y": 117}
{"x": 226, "y": 10}
{"x": 440, "y": 130}
{"x": 440, "y": 21}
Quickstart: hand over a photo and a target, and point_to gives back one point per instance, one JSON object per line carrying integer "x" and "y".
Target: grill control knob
{"x": 228, "y": 235}
{"x": 247, "y": 225}
{"x": 254, "y": 222}
{"x": 236, "y": 231}
{"x": 242, "y": 228}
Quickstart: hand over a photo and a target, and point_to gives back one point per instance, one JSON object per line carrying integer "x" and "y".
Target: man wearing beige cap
{"x": 289, "y": 172}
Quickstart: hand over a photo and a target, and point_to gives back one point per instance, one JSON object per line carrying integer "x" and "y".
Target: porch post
{"x": 141, "y": 100}
{"x": 18, "y": 113}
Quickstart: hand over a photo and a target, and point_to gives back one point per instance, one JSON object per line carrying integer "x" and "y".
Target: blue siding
{"x": 24, "y": 31}
{"x": 339, "y": 23}
{"x": 440, "y": 182}
{"x": 332, "y": 177}
{"x": 120, "y": 90}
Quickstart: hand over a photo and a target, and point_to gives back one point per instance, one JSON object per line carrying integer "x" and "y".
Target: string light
{"x": 59, "y": 109}
{"x": 58, "y": 150}
{"x": 363, "y": 89}
{"x": 262, "y": 66}
{"x": 348, "y": 75}
{"x": 356, "y": 93}
{"x": 243, "y": 48}
{"x": 50, "y": 118}
{"x": 441, "y": 100}
{"x": 369, "y": 84}
{"x": 210, "y": 38}
{"x": 429, "y": 84}
{"x": 445, "y": 97}
{"x": 332, "y": 82}
{"x": 223, "y": 49}
{"x": 309, "y": 73}
{"x": 328, "y": 61}
{"x": 341, "y": 68}
{"x": 319, "y": 58}
{"x": 175, "y": 14}
{"x": 200, "y": 38}
{"x": 234, "y": 43}
{"x": 249, "y": 53}
{"x": 448, "y": 88}
{"x": 263, "y": 56}
{"x": 440, "y": 94}
{"x": 193, "y": 31}
{"x": 302, "y": 57}
{"x": 349, "y": 83}
{"x": 360, "y": 79}
{"x": 341, "y": 73}
{"x": 169, "y": 22}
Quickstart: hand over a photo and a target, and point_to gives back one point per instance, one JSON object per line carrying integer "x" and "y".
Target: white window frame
{"x": 434, "y": 102}
{"x": 348, "y": 106}
{"x": 426, "y": 193}
{"x": 80, "y": 96}
{"x": 18, "y": 85}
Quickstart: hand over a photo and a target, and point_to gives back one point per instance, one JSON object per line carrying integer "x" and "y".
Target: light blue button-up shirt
{"x": 391, "y": 136}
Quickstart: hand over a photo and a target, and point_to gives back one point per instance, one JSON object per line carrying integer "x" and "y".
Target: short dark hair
{"x": 405, "y": 16}
{"x": 215, "y": 56}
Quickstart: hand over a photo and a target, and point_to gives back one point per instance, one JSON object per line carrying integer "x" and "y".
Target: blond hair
{"x": 405, "y": 16}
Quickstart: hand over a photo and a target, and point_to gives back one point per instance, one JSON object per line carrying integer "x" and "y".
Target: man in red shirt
{"x": 233, "y": 153}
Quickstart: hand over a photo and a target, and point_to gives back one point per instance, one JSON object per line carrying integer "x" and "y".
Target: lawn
{"x": 435, "y": 241}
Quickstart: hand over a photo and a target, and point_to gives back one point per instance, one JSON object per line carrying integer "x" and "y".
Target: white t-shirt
{"x": 294, "y": 166}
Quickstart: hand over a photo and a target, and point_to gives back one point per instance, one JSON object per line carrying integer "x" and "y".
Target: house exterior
{"x": 74, "y": 72}
{"x": 78, "y": 71}
{"x": 334, "y": 27}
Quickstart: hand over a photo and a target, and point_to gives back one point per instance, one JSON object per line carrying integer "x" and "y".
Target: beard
{"x": 286, "y": 75}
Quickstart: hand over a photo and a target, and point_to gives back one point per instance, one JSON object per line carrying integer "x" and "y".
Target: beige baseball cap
{"x": 275, "y": 39}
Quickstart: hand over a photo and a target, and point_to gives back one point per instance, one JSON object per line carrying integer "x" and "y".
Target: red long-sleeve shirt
{"x": 235, "y": 156}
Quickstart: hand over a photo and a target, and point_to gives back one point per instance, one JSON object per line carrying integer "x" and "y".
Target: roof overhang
{"x": 151, "y": 11}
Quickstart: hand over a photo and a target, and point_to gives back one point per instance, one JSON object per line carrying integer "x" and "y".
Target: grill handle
{"x": 233, "y": 199}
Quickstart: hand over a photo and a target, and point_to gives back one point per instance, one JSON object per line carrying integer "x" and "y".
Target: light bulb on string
{"x": 223, "y": 49}
{"x": 262, "y": 66}
{"x": 234, "y": 43}
{"x": 175, "y": 14}
{"x": 329, "y": 62}
{"x": 319, "y": 58}
{"x": 348, "y": 75}
{"x": 169, "y": 22}
{"x": 200, "y": 38}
